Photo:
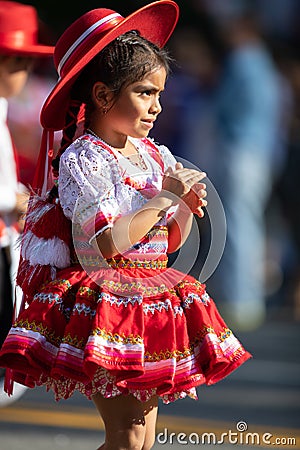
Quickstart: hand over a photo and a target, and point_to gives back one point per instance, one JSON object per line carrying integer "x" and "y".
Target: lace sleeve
{"x": 87, "y": 187}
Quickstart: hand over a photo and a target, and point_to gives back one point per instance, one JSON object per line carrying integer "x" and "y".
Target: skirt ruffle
{"x": 141, "y": 331}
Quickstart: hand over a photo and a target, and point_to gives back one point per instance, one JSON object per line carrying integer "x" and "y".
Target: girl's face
{"x": 136, "y": 109}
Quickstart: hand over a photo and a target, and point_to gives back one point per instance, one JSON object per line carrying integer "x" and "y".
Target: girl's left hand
{"x": 195, "y": 199}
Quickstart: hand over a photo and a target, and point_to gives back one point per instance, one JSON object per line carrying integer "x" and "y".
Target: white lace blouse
{"x": 97, "y": 185}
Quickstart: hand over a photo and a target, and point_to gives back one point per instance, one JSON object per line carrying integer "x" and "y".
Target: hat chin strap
{"x": 101, "y": 25}
{"x": 41, "y": 178}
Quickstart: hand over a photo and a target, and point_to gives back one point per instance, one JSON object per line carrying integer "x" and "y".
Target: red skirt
{"x": 143, "y": 331}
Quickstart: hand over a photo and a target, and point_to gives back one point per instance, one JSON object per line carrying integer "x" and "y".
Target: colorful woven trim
{"x": 120, "y": 263}
{"x": 137, "y": 264}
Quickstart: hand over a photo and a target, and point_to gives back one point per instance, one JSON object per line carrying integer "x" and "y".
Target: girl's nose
{"x": 156, "y": 106}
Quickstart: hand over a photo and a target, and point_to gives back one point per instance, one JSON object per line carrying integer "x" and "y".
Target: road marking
{"x": 86, "y": 418}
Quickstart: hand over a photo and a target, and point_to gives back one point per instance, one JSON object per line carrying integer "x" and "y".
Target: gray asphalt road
{"x": 262, "y": 399}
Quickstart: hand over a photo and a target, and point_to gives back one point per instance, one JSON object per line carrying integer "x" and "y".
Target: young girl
{"x": 104, "y": 314}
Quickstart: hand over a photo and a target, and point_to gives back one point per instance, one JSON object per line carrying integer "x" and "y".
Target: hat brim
{"x": 29, "y": 50}
{"x": 155, "y": 22}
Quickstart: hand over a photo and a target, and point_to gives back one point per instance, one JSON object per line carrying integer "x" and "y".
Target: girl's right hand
{"x": 179, "y": 181}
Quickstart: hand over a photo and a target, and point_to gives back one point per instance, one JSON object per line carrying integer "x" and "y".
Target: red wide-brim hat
{"x": 19, "y": 31}
{"x": 88, "y": 35}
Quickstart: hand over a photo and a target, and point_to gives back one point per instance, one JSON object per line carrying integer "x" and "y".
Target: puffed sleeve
{"x": 89, "y": 188}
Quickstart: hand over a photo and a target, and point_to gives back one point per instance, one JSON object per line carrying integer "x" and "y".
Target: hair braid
{"x": 67, "y": 138}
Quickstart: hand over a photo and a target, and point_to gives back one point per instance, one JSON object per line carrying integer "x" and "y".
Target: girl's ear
{"x": 101, "y": 95}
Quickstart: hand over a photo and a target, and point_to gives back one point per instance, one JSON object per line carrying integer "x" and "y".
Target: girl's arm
{"x": 129, "y": 229}
{"x": 179, "y": 227}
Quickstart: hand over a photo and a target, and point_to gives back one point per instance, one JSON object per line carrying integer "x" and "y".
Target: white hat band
{"x": 99, "y": 24}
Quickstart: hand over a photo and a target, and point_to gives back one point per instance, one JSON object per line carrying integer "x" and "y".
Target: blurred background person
{"x": 19, "y": 47}
{"x": 23, "y": 117}
{"x": 287, "y": 188}
{"x": 248, "y": 140}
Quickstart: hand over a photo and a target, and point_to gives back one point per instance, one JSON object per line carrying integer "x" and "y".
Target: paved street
{"x": 262, "y": 396}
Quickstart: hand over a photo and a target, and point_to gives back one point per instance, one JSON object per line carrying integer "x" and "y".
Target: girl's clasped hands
{"x": 185, "y": 184}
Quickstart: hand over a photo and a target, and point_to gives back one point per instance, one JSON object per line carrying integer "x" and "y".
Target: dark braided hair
{"x": 67, "y": 139}
{"x": 122, "y": 62}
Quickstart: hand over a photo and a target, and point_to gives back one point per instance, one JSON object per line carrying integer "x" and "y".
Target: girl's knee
{"x": 149, "y": 442}
{"x": 129, "y": 439}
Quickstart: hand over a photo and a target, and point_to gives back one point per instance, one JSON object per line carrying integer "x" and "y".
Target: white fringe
{"x": 34, "y": 212}
{"x": 52, "y": 251}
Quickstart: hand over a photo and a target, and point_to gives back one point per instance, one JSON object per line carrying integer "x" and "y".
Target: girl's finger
{"x": 178, "y": 166}
{"x": 169, "y": 171}
{"x": 202, "y": 202}
{"x": 191, "y": 180}
{"x": 199, "y": 212}
{"x": 202, "y": 193}
{"x": 198, "y": 186}
{"x": 187, "y": 176}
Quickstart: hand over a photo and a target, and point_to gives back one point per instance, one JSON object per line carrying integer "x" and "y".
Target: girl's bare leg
{"x": 129, "y": 423}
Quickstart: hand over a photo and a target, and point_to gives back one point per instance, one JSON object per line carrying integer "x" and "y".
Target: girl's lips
{"x": 148, "y": 123}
